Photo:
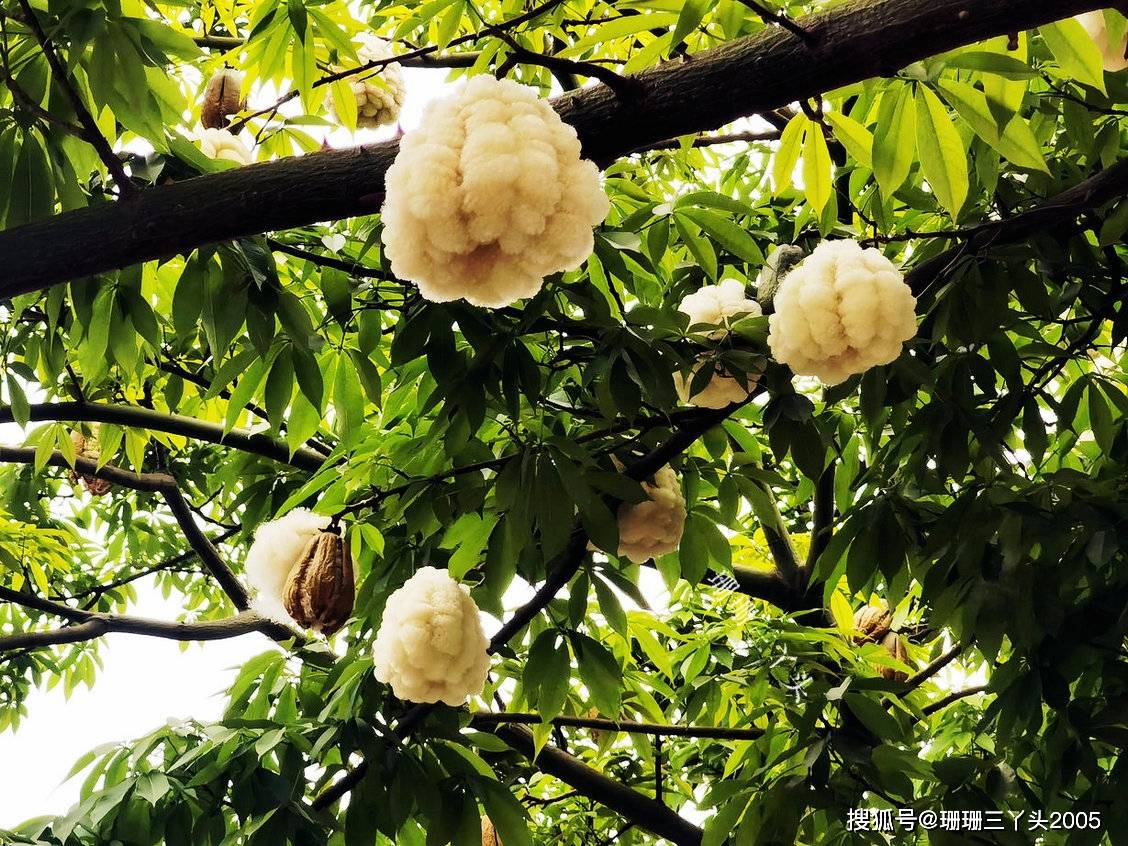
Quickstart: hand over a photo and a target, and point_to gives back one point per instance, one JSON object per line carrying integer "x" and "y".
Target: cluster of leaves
{"x": 979, "y": 479}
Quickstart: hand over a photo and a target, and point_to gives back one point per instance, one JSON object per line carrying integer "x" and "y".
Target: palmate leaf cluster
{"x": 979, "y": 480}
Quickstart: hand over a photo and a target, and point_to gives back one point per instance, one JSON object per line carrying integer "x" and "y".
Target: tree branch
{"x": 954, "y": 696}
{"x": 173, "y": 424}
{"x": 780, "y": 19}
{"x": 202, "y": 546}
{"x": 90, "y": 132}
{"x": 646, "y": 813}
{"x": 487, "y": 719}
{"x": 822, "y": 518}
{"x": 857, "y": 40}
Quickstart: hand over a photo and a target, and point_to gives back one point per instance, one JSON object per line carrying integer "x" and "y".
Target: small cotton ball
{"x": 222, "y": 98}
{"x": 379, "y": 92}
{"x": 276, "y": 549}
{"x": 842, "y": 311}
{"x": 489, "y": 196}
{"x": 430, "y": 646}
{"x": 721, "y": 389}
{"x": 222, "y": 145}
{"x": 654, "y": 526}
{"x": 1114, "y": 56}
{"x": 716, "y": 305}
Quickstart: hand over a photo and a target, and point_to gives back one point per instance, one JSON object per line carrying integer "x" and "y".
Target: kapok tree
{"x": 757, "y": 368}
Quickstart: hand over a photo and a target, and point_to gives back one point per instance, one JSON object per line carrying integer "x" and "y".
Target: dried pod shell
{"x": 895, "y": 645}
{"x": 490, "y": 836}
{"x": 88, "y": 448}
{"x": 221, "y": 99}
{"x": 782, "y": 259}
{"x": 871, "y": 624}
{"x": 320, "y": 589}
{"x": 596, "y": 734}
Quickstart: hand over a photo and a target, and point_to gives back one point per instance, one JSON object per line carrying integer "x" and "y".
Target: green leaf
{"x": 507, "y": 814}
{"x": 895, "y": 141}
{"x": 299, "y": 20}
{"x": 600, "y": 673}
{"x": 730, "y": 236}
{"x": 857, "y": 140}
{"x": 942, "y": 156}
{"x": 787, "y": 154}
{"x": 1076, "y": 53}
{"x": 1016, "y": 143}
{"x": 817, "y": 174}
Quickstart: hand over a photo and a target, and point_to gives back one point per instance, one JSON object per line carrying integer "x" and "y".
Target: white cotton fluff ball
{"x": 221, "y": 144}
{"x": 430, "y": 646}
{"x": 842, "y": 311}
{"x": 380, "y": 92}
{"x": 716, "y": 304}
{"x": 720, "y": 390}
{"x": 654, "y": 526}
{"x": 1114, "y": 55}
{"x": 488, "y": 196}
{"x": 276, "y": 549}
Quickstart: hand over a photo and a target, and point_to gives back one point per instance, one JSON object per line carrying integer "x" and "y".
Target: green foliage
{"x": 979, "y": 479}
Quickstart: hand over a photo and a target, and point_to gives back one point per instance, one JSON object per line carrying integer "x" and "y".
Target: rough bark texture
{"x": 851, "y": 42}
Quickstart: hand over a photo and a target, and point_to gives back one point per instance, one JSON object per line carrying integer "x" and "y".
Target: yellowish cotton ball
{"x": 276, "y": 549}
{"x": 841, "y": 312}
{"x": 1115, "y": 55}
{"x": 719, "y": 391}
{"x": 430, "y": 646}
{"x": 718, "y": 304}
{"x": 654, "y": 526}
{"x": 221, "y": 144}
{"x": 379, "y": 92}
{"x": 488, "y": 196}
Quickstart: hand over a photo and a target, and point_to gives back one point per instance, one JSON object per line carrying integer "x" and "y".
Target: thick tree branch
{"x": 644, "y": 812}
{"x": 145, "y": 482}
{"x": 172, "y": 424}
{"x": 856, "y": 41}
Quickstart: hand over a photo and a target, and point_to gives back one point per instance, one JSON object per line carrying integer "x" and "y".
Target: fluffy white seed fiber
{"x": 221, "y": 144}
{"x": 717, "y": 304}
{"x": 379, "y": 93}
{"x": 841, "y": 312}
{"x": 276, "y": 549}
{"x": 1114, "y": 55}
{"x": 430, "y": 646}
{"x": 719, "y": 391}
{"x": 654, "y": 526}
{"x": 488, "y": 196}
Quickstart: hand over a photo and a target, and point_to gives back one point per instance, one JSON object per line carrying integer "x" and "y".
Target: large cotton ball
{"x": 276, "y": 549}
{"x": 654, "y": 526}
{"x": 717, "y": 304}
{"x": 222, "y": 98}
{"x": 430, "y": 646}
{"x": 841, "y": 312}
{"x": 1115, "y": 55}
{"x": 379, "y": 92}
{"x": 221, "y": 144}
{"x": 488, "y": 196}
{"x": 719, "y": 391}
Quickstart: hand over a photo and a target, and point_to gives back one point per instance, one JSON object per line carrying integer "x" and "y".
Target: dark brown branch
{"x": 146, "y": 482}
{"x": 173, "y": 424}
{"x": 857, "y": 41}
{"x": 203, "y": 547}
{"x": 920, "y": 677}
{"x": 711, "y": 140}
{"x": 954, "y": 696}
{"x": 90, "y": 132}
{"x": 646, "y": 813}
{"x": 486, "y": 719}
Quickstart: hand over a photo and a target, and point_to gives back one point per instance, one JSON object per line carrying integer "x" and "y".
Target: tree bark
{"x": 849, "y": 43}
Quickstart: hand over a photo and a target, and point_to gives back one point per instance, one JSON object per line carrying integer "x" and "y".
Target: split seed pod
{"x": 871, "y": 624}
{"x": 895, "y": 645}
{"x": 320, "y": 590}
{"x": 88, "y": 448}
{"x": 221, "y": 99}
{"x": 490, "y": 836}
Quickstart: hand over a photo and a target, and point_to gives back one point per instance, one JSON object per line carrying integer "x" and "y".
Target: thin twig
{"x": 954, "y": 696}
{"x": 782, "y": 20}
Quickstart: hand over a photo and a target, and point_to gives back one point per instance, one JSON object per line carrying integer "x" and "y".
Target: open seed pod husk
{"x": 88, "y": 448}
{"x": 320, "y": 590}
{"x": 895, "y": 645}
{"x": 490, "y": 836}
{"x": 221, "y": 99}
{"x": 871, "y": 623}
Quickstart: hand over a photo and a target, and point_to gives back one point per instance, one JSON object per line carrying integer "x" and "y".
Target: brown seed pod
{"x": 489, "y": 834}
{"x": 221, "y": 99}
{"x": 596, "y": 734}
{"x": 320, "y": 589}
{"x": 871, "y": 623}
{"x": 895, "y": 645}
{"x": 88, "y": 448}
